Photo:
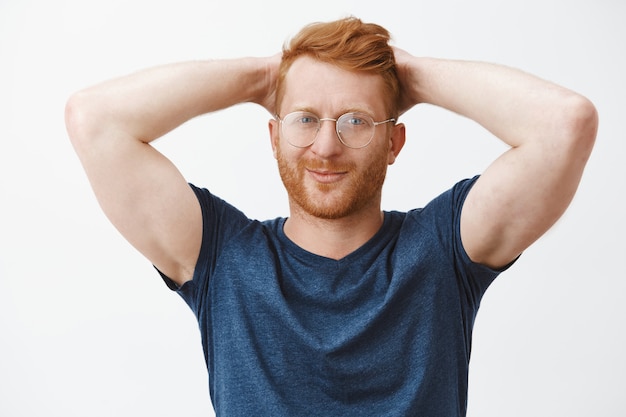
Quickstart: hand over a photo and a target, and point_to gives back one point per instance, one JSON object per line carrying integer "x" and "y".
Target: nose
{"x": 327, "y": 142}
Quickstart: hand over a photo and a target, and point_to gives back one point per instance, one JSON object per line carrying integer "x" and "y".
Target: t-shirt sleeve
{"x": 220, "y": 221}
{"x": 474, "y": 278}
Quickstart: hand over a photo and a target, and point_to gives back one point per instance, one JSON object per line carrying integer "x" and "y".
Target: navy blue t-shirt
{"x": 385, "y": 331}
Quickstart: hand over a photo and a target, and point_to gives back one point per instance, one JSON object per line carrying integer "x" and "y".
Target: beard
{"x": 361, "y": 186}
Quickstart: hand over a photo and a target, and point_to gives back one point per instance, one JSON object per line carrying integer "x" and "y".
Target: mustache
{"x": 325, "y": 165}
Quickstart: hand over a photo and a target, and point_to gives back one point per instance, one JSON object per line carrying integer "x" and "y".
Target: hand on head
{"x": 406, "y": 76}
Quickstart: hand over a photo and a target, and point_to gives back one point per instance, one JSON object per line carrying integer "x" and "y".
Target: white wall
{"x": 87, "y": 327}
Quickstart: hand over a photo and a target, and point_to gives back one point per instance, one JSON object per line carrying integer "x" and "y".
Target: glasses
{"x": 355, "y": 130}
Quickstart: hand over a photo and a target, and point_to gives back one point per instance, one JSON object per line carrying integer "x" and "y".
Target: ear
{"x": 274, "y": 136}
{"x": 398, "y": 138}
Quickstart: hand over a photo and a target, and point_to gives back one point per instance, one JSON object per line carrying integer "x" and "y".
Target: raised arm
{"x": 144, "y": 195}
{"x": 551, "y": 131}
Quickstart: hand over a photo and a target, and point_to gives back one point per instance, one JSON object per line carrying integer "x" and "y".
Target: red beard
{"x": 333, "y": 200}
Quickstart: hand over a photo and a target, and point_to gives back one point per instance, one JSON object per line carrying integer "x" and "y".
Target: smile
{"x": 327, "y": 177}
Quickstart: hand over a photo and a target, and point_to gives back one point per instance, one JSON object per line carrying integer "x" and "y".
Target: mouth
{"x": 326, "y": 176}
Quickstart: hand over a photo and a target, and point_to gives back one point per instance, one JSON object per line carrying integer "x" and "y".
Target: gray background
{"x": 88, "y": 328}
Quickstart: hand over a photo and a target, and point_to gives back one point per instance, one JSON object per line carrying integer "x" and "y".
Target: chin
{"x": 328, "y": 208}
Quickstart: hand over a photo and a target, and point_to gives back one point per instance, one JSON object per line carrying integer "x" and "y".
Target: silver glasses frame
{"x": 330, "y": 119}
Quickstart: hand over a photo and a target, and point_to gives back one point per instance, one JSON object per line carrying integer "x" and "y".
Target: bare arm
{"x": 551, "y": 131}
{"x": 144, "y": 195}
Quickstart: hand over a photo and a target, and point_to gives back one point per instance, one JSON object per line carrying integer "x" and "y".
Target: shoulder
{"x": 444, "y": 209}
{"x": 434, "y": 231}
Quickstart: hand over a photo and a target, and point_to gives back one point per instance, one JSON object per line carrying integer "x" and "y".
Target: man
{"x": 340, "y": 309}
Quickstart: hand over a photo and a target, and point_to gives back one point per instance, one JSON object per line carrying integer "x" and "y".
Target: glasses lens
{"x": 300, "y": 128}
{"x": 355, "y": 129}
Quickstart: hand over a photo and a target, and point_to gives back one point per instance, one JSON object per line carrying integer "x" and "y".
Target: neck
{"x": 333, "y": 238}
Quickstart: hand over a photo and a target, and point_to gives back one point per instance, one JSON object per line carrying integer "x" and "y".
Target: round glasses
{"x": 355, "y": 130}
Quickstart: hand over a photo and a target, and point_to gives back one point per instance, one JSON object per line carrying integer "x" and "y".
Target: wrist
{"x": 413, "y": 76}
{"x": 265, "y": 76}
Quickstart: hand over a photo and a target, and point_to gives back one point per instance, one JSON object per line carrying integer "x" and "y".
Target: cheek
{"x": 382, "y": 153}
{"x": 285, "y": 152}
{"x": 289, "y": 161}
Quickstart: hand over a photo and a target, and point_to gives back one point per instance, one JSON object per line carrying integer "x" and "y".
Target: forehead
{"x": 328, "y": 90}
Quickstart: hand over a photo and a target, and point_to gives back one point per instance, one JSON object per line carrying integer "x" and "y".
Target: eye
{"x": 356, "y": 120}
{"x": 306, "y": 119}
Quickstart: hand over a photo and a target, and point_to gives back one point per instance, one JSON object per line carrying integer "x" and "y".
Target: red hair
{"x": 349, "y": 44}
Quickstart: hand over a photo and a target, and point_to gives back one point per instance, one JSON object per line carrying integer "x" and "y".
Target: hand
{"x": 406, "y": 69}
{"x": 268, "y": 97}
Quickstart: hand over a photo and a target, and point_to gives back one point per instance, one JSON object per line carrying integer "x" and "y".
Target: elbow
{"x": 75, "y": 119}
{"x": 580, "y": 125}
{"x": 80, "y": 120}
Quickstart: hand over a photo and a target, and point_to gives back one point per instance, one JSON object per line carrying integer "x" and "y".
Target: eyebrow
{"x": 341, "y": 112}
